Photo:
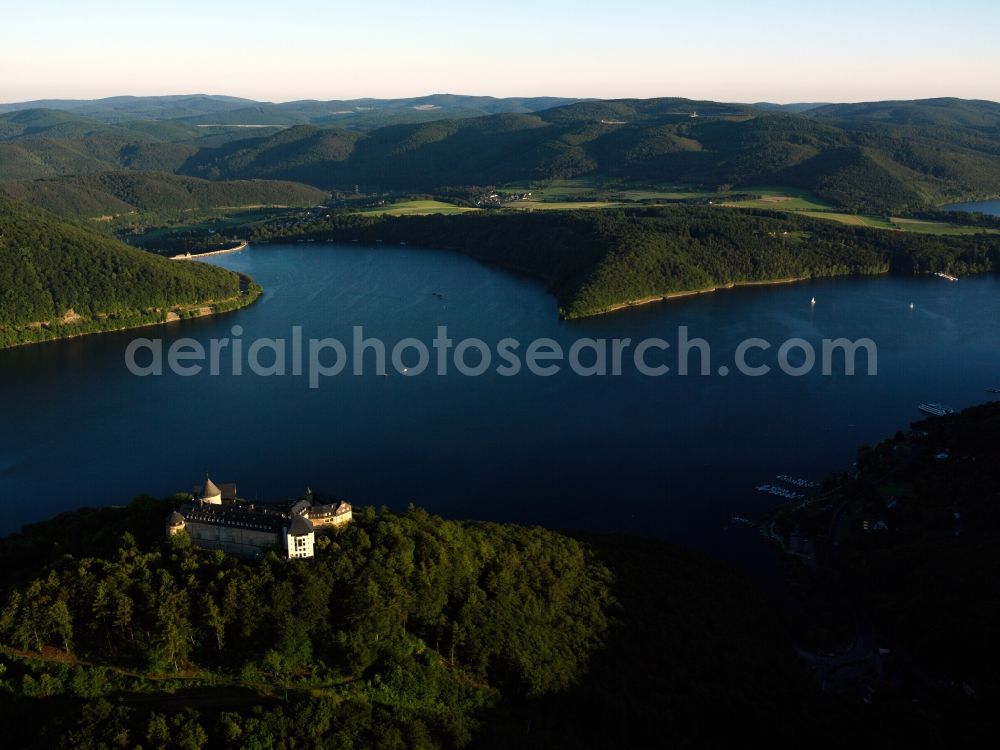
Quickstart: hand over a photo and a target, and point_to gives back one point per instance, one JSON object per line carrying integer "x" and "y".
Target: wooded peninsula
{"x": 596, "y": 261}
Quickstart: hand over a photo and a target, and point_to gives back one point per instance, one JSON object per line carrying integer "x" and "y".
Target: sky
{"x": 724, "y": 50}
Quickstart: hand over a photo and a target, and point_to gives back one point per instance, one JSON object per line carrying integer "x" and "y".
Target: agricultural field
{"x": 417, "y": 208}
{"x": 919, "y": 226}
{"x": 854, "y": 220}
{"x": 650, "y": 194}
{"x": 782, "y": 201}
{"x": 582, "y": 189}
{"x": 557, "y": 190}
{"x": 559, "y": 205}
{"x": 802, "y": 202}
{"x": 939, "y": 227}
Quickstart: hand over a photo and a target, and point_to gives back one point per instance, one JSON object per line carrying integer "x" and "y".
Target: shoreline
{"x": 686, "y": 293}
{"x": 250, "y": 299}
{"x": 188, "y": 256}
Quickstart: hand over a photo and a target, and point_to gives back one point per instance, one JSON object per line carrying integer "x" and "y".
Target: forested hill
{"x": 405, "y": 631}
{"x": 115, "y": 193}
{"x": 365, "y": 113}
{"x": 908, "y": 547}
{"x": 58, "y": 279}
{"x": 944, "y": 112}
{"x": 595, "y": 261}
{"x": 868, "y": 164}
{"x": 875, "y": 158}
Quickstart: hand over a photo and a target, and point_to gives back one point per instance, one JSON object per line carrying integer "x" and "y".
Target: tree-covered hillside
{"x": 942, "y": 112}
{"x": 404, "y": 631}
{"x": 114, "y": 193}
{"x": 860, "y": 164}
{"x": 364, "y": 114}
{"x": 906, "y": 549}
{"x": 100, "y": 151}
{"x": 597, "y": 260}
{"x": 58, "y": 279}
{"x": 881, "y": 157}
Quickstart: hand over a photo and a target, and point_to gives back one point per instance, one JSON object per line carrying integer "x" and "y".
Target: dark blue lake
{"x": 671, "y": 456}
{"x": 983, "y": 207}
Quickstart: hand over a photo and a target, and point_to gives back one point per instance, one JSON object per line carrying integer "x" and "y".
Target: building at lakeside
{"x": 216, "y": 519}
{"x": 323, "y": 511}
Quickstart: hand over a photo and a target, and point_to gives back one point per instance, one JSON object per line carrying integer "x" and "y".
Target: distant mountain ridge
{"x": 945, "y": 111}
{"x": 875, "y": 157}
{"x": 203, "y": 109}
{"x": 844, "y": 156}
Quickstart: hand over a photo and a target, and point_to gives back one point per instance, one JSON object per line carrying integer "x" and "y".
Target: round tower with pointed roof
{"x": 175, "y": 524}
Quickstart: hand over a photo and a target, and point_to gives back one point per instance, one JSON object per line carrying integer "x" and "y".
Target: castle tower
{"x": 210, "y": 493}
{"x": 300, "y": 539}
{"x": 175, "y": 524}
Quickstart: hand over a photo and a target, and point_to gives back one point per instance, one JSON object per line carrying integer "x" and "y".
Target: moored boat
{"x": 935, "y": 410}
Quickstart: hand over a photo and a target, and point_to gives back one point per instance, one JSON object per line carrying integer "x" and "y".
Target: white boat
{"x": 936, "y": 410}
{"x": 813, "y": 302}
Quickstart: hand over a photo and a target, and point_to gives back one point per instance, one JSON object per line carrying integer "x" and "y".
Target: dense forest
{"x": 907, "y": 547}
{"x": 408, "y": 630}
{"x": 404, "y": 631}
{"x": 876, "y": 158}
{"x": 108, "y": 194}
{"x": 596, "y": 260}
{"x": 58, "y": 279}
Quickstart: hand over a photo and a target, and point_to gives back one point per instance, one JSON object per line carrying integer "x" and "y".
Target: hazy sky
{"x": 326, "y": 49}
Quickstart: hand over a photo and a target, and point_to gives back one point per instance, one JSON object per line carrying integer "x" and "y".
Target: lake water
{"x": 984, "y": 207}
{"x": 674, "y": 456}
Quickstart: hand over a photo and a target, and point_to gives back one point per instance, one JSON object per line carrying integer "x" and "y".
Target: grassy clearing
{"x": 939, "y": 227}
{"x": 782, "y": 203}
{"x": 782, "y": 199}
{"x": 793, "y": 192}
{"x": 802, "y": 202}
{"x": 418, "y": 208}
{"x": 919, "y": 226}
{"x": 640, "y": 194}
{"x": 582, "y": 189}
{"x": 559, "y": 205}
{"x": 854, "y": 220}
{"x": 557, "y": 190}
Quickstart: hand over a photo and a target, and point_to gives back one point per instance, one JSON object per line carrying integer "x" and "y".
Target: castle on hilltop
{"x": 216, "y": 519}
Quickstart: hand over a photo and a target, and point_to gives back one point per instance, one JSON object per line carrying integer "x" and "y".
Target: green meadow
{"x": 919, "y": 226}
{"x": 578, "y": 194}
{"x": 781, "y": 199}
{"x": 804, "y": 203}
{"x": 417, "y": 208}
{"x": 583, "y": 189}
{"x": 559, "y": 205}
